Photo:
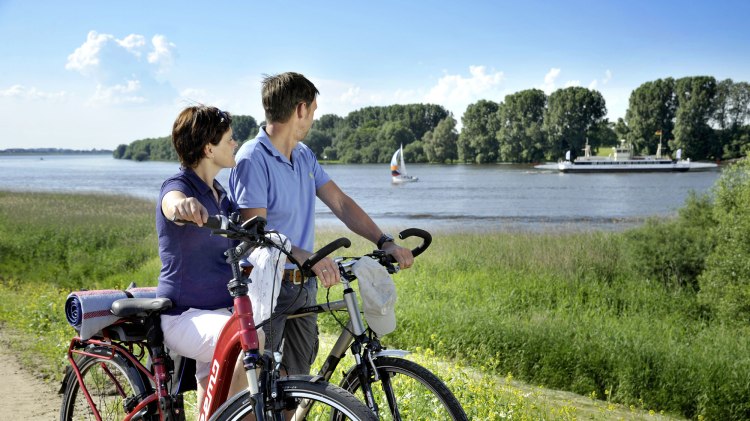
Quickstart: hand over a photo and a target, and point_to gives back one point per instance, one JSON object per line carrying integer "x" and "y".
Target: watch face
{"x": 384, "y": 239}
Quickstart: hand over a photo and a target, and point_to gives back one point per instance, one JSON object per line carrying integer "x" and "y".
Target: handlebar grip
{"x": 416, "y": 232}
{"x": 325, "y": 251}
{"x": 217, "y": 222}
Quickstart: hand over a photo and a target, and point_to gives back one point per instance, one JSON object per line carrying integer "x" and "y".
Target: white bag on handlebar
{"x": 266, "y": 277}
{"x": 378, "y": 295}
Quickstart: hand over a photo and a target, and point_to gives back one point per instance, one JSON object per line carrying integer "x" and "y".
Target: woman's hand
{"x": 176, "y": 206}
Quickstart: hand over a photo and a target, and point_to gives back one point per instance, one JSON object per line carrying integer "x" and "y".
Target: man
{"x": 278, "y": 178}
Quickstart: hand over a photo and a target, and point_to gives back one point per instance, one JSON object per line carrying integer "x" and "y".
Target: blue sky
{"x": 95, "y": 74}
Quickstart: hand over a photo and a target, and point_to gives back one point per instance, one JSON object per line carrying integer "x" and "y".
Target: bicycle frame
{"x": 238, "y": 334}
{"x": 354, "y": 330}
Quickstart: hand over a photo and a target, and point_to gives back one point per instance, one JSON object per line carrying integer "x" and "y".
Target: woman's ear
{"x": 208, "y": 151}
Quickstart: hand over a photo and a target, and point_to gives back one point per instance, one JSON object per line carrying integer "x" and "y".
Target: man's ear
{"x": 301, "y": 110}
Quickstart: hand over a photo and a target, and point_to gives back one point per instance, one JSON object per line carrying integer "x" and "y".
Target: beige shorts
{"x": 194, "y": 334}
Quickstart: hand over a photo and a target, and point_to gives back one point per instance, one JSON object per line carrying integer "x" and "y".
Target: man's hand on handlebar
{"x": 403, "y": 255}
{"x": 327, "y": 272}
{"x": 325, "y": 269}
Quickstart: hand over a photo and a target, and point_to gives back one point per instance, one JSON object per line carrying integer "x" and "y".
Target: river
{"x": 473, "y": 197}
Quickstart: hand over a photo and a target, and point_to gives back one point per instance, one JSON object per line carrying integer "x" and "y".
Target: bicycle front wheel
{"x": 325, "y": 399}
{"x": 113, "y": 383}
{"x": 407, "y": 391}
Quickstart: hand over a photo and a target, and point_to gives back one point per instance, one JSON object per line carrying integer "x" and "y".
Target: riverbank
{"x": 563, "y": 310}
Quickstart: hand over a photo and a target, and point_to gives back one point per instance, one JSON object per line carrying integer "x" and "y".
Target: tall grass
{"x": 560, "y": 310}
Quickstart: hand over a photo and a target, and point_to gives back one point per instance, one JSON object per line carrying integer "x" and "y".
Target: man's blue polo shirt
{"x": 264, "y": 178}
{"x": 194, "y": 270}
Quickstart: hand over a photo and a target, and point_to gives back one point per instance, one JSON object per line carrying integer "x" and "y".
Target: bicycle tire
{"x": 419, "y": 394}
{"x": 111, "y": 380}
{"x": 327, "y": 399}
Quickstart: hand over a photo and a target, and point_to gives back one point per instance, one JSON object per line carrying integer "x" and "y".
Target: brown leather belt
{"x": 290, "y": 275}
{"x": 294, "y": 276}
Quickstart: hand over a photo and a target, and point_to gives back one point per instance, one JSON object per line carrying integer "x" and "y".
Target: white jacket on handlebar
{"x": 266, "y": 276}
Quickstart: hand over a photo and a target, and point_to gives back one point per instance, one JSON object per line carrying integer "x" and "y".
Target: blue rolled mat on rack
{"x": 89, "y": 311}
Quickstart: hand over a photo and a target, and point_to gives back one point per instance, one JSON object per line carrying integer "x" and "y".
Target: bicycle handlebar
{"x": 416, "y": 232}
{"x": 323, "y": 252}
{"x": 252, "y": 233}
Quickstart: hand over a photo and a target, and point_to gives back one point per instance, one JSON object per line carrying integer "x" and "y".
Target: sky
{"x": 83, "y": 74}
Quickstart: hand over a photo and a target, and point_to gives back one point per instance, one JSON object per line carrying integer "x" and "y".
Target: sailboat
{"x": 398, "y": 168}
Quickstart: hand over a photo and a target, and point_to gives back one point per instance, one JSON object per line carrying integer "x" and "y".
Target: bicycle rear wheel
{"x": 407, "y": 391}
{"x": 115, "y": 386}
{"x": 326, "y": 400}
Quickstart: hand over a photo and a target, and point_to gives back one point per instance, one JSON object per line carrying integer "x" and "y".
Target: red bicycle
{"x": 125, "y": 372}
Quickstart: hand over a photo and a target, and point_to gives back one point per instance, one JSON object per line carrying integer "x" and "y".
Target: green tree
{"x": 725, "y": 283}
{"x": 119, "y": 152}
{"x": 732, "y": 116}
{"x": 439, "y": 145}
{"x": 477, "y": 141}
{"x": 651, "y": 108}
{"x": 621, "y": 129}
{"x": 696, "y": 105}
{"x": 244, "y": 127}
{"x": 390, "y": 137}
{"x": 415, "y": 152}
{"x": 318, "y": 141}
{"x": 573, "y": 115}
{"x": 521, "y": 136}
{"x": 357, "y": 147}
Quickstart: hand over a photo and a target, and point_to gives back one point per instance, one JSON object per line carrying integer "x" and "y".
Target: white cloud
{"x": 86, "y": 57}
{"x": 351, "y": 96}
{"x": 456, "y": 92}
{"x": 607, "y": 76}
{"x": 118, "y": 94}
{"x": 127, "y": 70}
{"x": 594, "y": 83}
{"x": 133, "y": 43}
{"x": 453, "y": 91}
{"x": 22, "y": 92}
{"x": 163, "y": 53}
{"x": 549, "y": 80}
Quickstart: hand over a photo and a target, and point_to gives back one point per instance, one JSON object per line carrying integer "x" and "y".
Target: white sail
{"x": 398, "y": 167}
{"x": 401, "y": 158}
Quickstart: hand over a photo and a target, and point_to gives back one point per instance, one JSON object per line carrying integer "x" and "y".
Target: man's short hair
{"x": 283, "y": 92}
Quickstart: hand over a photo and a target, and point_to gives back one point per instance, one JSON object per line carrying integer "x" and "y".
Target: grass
{"x": 561, "y": 311}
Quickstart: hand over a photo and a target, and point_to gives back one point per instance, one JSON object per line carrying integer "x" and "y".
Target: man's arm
{"x": 357, "y": 220}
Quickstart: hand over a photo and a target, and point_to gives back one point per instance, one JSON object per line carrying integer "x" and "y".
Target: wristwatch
{"x": 385, "y": 238}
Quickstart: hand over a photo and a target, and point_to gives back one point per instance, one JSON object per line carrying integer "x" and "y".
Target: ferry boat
{"x": 621, "y": 160}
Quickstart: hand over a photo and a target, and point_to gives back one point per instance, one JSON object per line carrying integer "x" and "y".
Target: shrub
{"x": 673, "y": 252}
{"x": 725, "y": 284}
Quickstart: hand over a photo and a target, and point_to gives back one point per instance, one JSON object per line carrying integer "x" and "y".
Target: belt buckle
{"x": 295, "y": 277}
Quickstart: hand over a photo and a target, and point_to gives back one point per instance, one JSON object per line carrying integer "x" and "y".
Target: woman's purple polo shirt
{"x": 194, "y": 271}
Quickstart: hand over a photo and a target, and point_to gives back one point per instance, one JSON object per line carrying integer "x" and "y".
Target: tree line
{"x": 706, "y": 118}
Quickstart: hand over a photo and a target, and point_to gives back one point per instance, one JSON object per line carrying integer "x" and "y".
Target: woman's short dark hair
{"x": 281, "y": 93}
{"x": 196, "y": 127}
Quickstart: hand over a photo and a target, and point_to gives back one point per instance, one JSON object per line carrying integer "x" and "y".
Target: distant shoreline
{"x": 53, "y": 151}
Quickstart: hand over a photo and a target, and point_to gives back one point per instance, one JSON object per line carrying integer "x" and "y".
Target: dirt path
{"x": 25, "y": 397}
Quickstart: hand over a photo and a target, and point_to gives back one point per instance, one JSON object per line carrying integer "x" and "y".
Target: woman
{"x": 194, "y": 272}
